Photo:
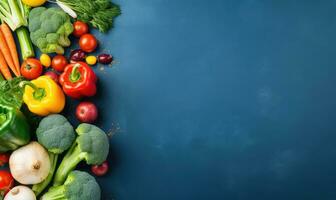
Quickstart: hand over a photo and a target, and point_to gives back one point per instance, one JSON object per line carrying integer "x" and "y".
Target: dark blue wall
{"x": 221, "y": 99}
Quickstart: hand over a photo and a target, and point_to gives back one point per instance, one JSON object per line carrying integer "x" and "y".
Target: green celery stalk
{"x": 27, "y": 49}
{"x": 1, "y": 78}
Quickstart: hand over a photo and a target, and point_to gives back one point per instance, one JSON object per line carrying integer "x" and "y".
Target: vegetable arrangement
{"x": 33, "y": 94}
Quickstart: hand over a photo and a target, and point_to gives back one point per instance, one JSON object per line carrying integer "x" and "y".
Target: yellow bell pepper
{"x": 43, "y": 96}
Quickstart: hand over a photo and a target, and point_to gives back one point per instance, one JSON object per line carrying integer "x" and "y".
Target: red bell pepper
{"x": 78, "y": 80}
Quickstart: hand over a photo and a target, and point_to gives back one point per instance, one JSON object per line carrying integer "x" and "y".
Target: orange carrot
{"x": 7, "y": 33}
{"x": 4, "y": 68}
{"x": 6, "y": 53}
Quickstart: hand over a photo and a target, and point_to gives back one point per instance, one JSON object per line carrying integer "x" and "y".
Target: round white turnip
{"x": 30, "y": 164}
{"x": 20, "y": 193}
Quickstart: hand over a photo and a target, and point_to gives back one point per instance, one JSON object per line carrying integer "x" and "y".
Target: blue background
{"x": 221, "y": 99}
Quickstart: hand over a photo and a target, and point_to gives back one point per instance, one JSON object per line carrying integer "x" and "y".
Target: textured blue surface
{"x": 219, "y": 99}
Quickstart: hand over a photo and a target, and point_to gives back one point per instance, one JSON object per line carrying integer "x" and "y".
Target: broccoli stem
{"x": 38, "y": 188}
{"x": 69, "y": 163}
{"x": 54, "y": 193}
{"x": 27, "y": 50}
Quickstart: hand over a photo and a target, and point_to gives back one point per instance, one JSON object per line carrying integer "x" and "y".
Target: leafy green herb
{"x": 98, "y": 13}
{"x": 11, "y": 93}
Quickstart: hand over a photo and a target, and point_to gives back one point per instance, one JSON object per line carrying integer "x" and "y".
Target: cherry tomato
{"x": 91, "y": 60}
{"x": 6, "y": 181}
{"x": 4, "y": 158}
{"x": 59, "y": 62}
{"x": 88, "y": 42}
{"x": 45, "y": 60}
{"x": 53, "y": 75}
{"x": 80, "y": 28}
{"x": 100, "y": 170}
{"x": 31, "y": 68}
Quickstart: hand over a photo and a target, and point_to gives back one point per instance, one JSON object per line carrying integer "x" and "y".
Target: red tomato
{"x": 88, "y": 42}
{"x": 4, "y": 158}
{"x": 80, "y": 28}
{"x": 59, "y": 62}
{"x": 31, "y": 68}
{"x": 6, "y": 181}
{"x": 100, "y": 170}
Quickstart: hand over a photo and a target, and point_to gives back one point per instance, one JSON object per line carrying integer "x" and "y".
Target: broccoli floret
{"x": 78, "y": 186}
{"x": 45, "y": 21}
{"x": 34, "y": 25}
{"x": 35, "y": 13}
{"x": 91, "y": 145}
{"x": 52, "y": 37}
{"x": 56, "y": 134}
{"x": 38, "y": 34}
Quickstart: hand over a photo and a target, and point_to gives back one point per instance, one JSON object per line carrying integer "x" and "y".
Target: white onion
{"x": 20, "y": 193}
{"x": 30, "y": 164}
